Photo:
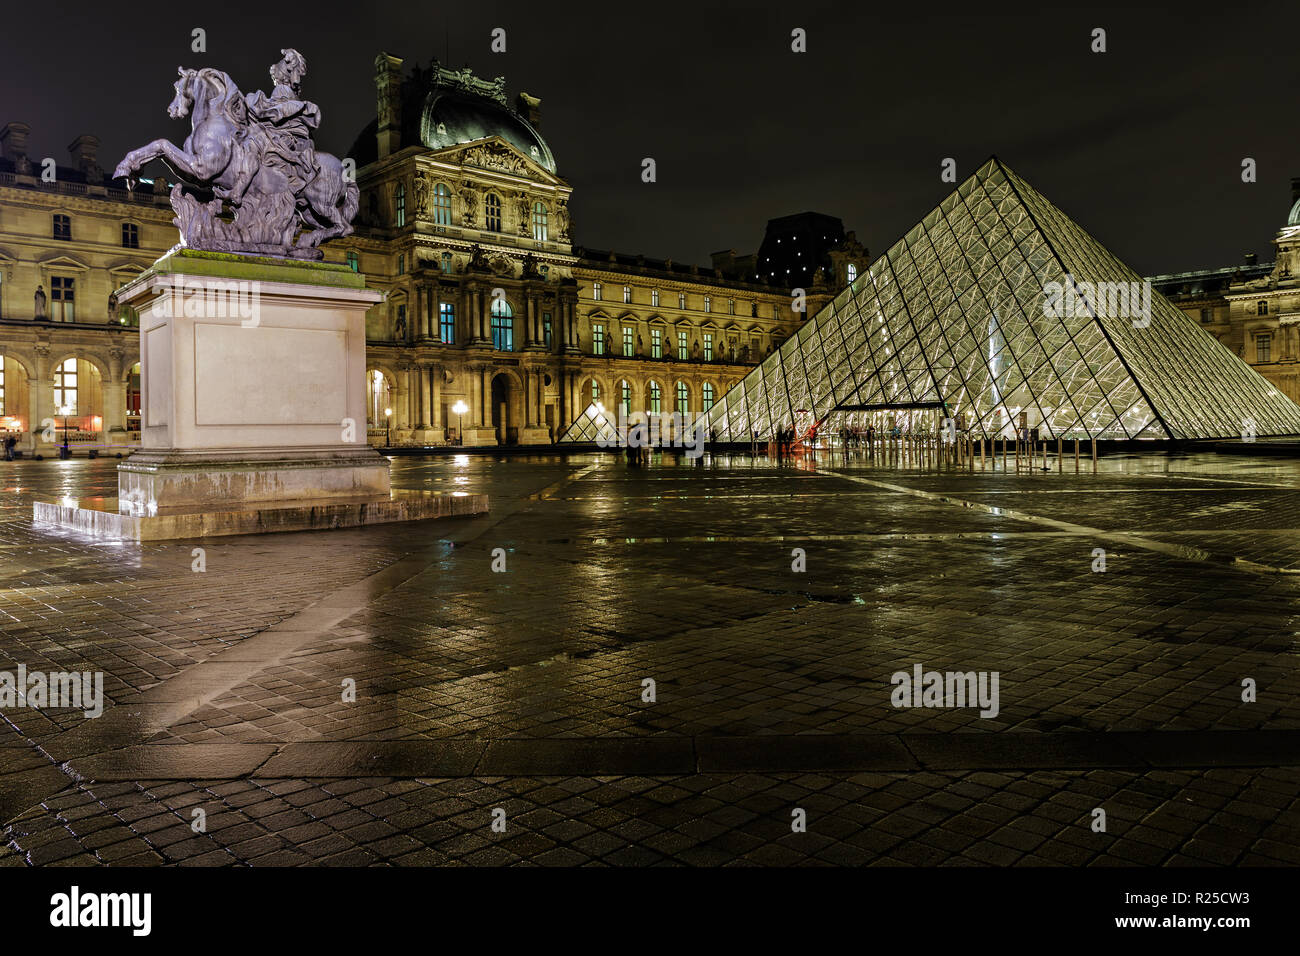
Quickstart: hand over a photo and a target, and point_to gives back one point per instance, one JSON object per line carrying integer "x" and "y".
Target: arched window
{"x": 653, "y": 398}
{"x": 401, "y": 205}
{"x": 539, "y": 221}
{"x": 493, "y": 214}
{"x": 65, "y": 387}
{"x": 441, "y": 205}
{"x": 683, "y": 398}
{"x": 625, "y": 397}
{"x": 853, "y": 272}
{"x": 706, "y": 401}
{"x": 377, "y": 386}
{"x": 503, "y": 326}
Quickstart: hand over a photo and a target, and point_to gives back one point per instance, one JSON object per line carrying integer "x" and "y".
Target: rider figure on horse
{"x": 281, "y": 124}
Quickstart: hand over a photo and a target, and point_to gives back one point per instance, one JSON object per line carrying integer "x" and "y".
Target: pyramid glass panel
{"x": 999, "y": 310}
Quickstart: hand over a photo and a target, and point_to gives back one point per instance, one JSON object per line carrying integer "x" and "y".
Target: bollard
{"x": 1094, "y": 456}
{"x": 1059, "y": 465}
{"x": 1004, "y": 452}
{"x": 1076, "y": 455}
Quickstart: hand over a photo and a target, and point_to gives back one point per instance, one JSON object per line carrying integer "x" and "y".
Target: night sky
{"x": 1142, "y": 145}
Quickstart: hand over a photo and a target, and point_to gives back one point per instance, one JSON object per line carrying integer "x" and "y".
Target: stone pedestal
{"x": 253, "y": 395}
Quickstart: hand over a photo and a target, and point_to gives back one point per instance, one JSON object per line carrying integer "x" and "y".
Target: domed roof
{"x": 453, "y": 116}
{"x": 1294, "y": 218}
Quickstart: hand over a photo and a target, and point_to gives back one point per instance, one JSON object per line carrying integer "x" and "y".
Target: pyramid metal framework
{"x": 593, "y": 424}
{"x": 957, "y": 317}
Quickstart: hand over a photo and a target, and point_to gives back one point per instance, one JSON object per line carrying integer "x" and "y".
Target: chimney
{"x": 530, "y": 108}
{"x": 724, "y": 261}
{"x": 13, "y": 140}
{"x": 84, "y": 150}
{"x": 1251, "y": 258}
{"x": 388, "y": 102}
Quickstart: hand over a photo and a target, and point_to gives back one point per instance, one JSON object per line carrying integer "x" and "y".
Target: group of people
{"x": 855, "y": 436}
{"x": 10, "y": 442}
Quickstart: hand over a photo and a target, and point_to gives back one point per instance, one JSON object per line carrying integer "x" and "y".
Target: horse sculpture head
{"x": 179, "y": 108}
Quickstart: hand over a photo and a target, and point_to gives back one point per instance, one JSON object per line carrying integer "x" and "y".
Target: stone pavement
{"x": 525, "y": 690}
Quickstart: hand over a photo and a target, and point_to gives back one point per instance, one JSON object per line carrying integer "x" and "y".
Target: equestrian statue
{"x": 251, "y": 180}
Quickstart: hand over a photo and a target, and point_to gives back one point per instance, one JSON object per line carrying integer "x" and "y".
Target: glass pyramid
{"x": 999, "y": 311}
{"x": 593, "y": 425}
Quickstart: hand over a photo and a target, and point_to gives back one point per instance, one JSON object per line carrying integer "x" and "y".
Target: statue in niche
{"x": 400, "y": 331}
{"x": 420, "y": 186}
{"x": 469, "y": 197}
{"x": 562, "y": 221}
{"x": 40, "y": 302}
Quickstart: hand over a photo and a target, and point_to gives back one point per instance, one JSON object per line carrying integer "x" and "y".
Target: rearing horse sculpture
{"x": 239, "y": 159}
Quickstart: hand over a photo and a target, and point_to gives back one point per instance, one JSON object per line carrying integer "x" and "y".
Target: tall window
{"x": 595, "y": 291}
{"x": 625, "y": 397}
{"x": 446, "y": 263}
{"x": 683, "y": 398}
{"x": 597, "y": 339}
{"x": 1263, "y": 348}
{"x": 627, "y": 293}
{"x": 447, "y": 322}
{"x": 546, "y": 328}
{"x": 1261, "y": 307}
{"x": 708, "y": 303}
{"x": 401, "y": 205}
{"x": 683, "y": 350}
{"x": 708, "y": 346}
{"x": 853, "y": 272}
{"x": 441, "y": 205}
{"x": 493, "y": 214}
{"x": 595, "y": 390}
{"x": 656, "y": 343}
{"x": 130, "y": 236}
{"x": 65, "y": 387}
{"x": 401, "y": 264}
{"x": 62, "y": 226}
{"x": 653, "y": 398}
{"x": 62, "y": 307}
{"x": 707, "y": 397}
{"x": 731, "y": 306}
{"x": 354, "y": 263}
{"x": 629, "y": 340}
{"x": 681, "y": 300}
{"x": 503, "y": 326}
{"x": 378, "y": 387}
{"x": 539, "y": 221}
{"x": 654, "y": 298}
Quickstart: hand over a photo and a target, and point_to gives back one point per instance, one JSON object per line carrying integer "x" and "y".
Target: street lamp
{"x": 460, "y": 408}
{"x": 388, "y": 427}
{"x": 65, "y": 411}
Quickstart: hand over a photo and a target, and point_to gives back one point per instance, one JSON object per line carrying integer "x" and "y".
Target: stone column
{"x": 426, "y": 397}
{"x": 41, "y": 398}
{"x": 435, "y": 402}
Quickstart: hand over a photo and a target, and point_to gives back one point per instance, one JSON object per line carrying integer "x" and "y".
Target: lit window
{"x": 683, "y": 350}
{"x": 627, "y": 293}
{"x": 401, "y": 264}
{"x": 625, "y": 397}
{"x": 654, "y": 298}
{"x": 1263, "y": 348}
{"x": 446, "y": 263}
{"x": 597, "y": 339}
{"x": 539, "y": 221}
{"x": 708, "y": 303}
{"x": 378, "y": 388}
{"x": 65, "y": 387}
{"x": 62, "y": 306}
{"x": 401, "y": 205}
{"x": 62, "y": 227}
{"x": 731, "y": 306}
{"x": 546, "y": 328}
{"x": 681, "y": 300}
{"x": 852, "y": 272}
{"x": 708, "y": 346}
{"x": 447, "y": 322}
{"x": 493, "y": 214}
{"x": 595, "y": 390}
{"x": 683, "y": 398}
{"x": 130, "y": 236}
{"x": 441, "y": 205}
{"x": 629, "y": 341}
{"x": 654, "y": 398}
{"x": 707, "y": 399}
{"x": 656, "y": 343}
{"x": 354, "y": 263}
{"x": 595, "y": 291}
{"x": 503, "y": 326}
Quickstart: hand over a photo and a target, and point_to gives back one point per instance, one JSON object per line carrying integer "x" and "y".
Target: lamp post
{"x": 460, "y": 408}
{"x": 65, "y": 411}
{"x": 388, "y": 427}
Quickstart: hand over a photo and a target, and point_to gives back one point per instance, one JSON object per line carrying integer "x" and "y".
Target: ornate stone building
{"x": 1252, "y": 308}
{"x": 465, "y": 224}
